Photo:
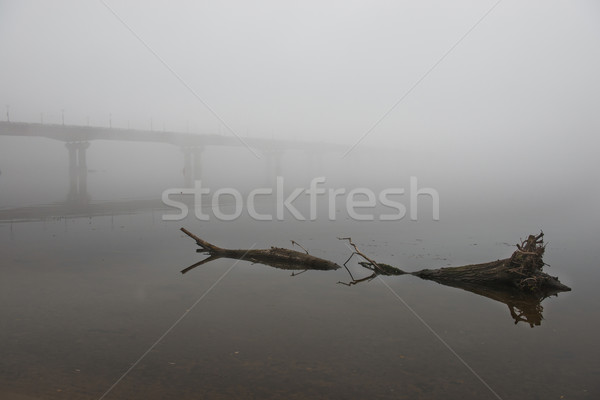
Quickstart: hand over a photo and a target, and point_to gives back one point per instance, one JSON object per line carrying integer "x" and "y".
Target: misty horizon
{"x": 426, "y": 135}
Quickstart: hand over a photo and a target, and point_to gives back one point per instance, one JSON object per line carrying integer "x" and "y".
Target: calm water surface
{"x": 84, "y": 297}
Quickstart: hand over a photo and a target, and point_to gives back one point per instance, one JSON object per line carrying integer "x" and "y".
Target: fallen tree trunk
{"x": 518, "y": 281}
{"x": 275, "y": 256}
{"x": 522, "y": 271}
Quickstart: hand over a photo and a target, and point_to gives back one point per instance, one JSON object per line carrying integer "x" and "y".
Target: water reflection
{"x": 105, "y": 295}
{"x": 77, "y": 207}
{"x": 523, "y": 307}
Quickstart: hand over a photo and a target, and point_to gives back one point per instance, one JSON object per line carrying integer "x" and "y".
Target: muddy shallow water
{"x": 85, "y": 298}
{"x": 95, "y": 305}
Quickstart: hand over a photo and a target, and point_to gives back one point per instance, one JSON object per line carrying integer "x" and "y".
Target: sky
{"x": 312, "y": 69}
{"x": 470, "y": 85}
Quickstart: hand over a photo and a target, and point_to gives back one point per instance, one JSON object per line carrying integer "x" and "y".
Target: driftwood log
{"x": 275, "y": 256}
{"x": 523, "y": 271}
{"x": 517, "y": 281}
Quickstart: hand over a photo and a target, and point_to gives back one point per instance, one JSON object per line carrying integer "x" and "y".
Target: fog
{"x": 466, "y": 95}
{"x": 432, "y": 133}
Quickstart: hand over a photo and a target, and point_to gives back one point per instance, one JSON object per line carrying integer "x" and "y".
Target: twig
{"x": 360, "y": 253}
{"x": 299, "y": 245}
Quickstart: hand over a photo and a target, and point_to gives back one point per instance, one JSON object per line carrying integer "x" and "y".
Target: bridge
{"x": 78, "y": 139}
{"x": 76, "y": 133}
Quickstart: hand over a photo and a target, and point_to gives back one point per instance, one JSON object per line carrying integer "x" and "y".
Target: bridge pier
{"x": 192, "y": 164}
{"x": 78, "y": 172}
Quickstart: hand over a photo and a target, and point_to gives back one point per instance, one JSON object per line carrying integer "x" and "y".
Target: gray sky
{"x": 528, "y": 73}
{"x": 511, "y": 113}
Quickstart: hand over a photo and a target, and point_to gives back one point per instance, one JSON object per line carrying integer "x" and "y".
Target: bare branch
{"x": 202, "y": 243}
{"x": 299, "y": 245}
{"x": 360, "y": 253}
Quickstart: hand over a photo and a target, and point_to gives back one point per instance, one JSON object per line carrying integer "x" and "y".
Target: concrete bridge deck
{"x": 75, "y": 133}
